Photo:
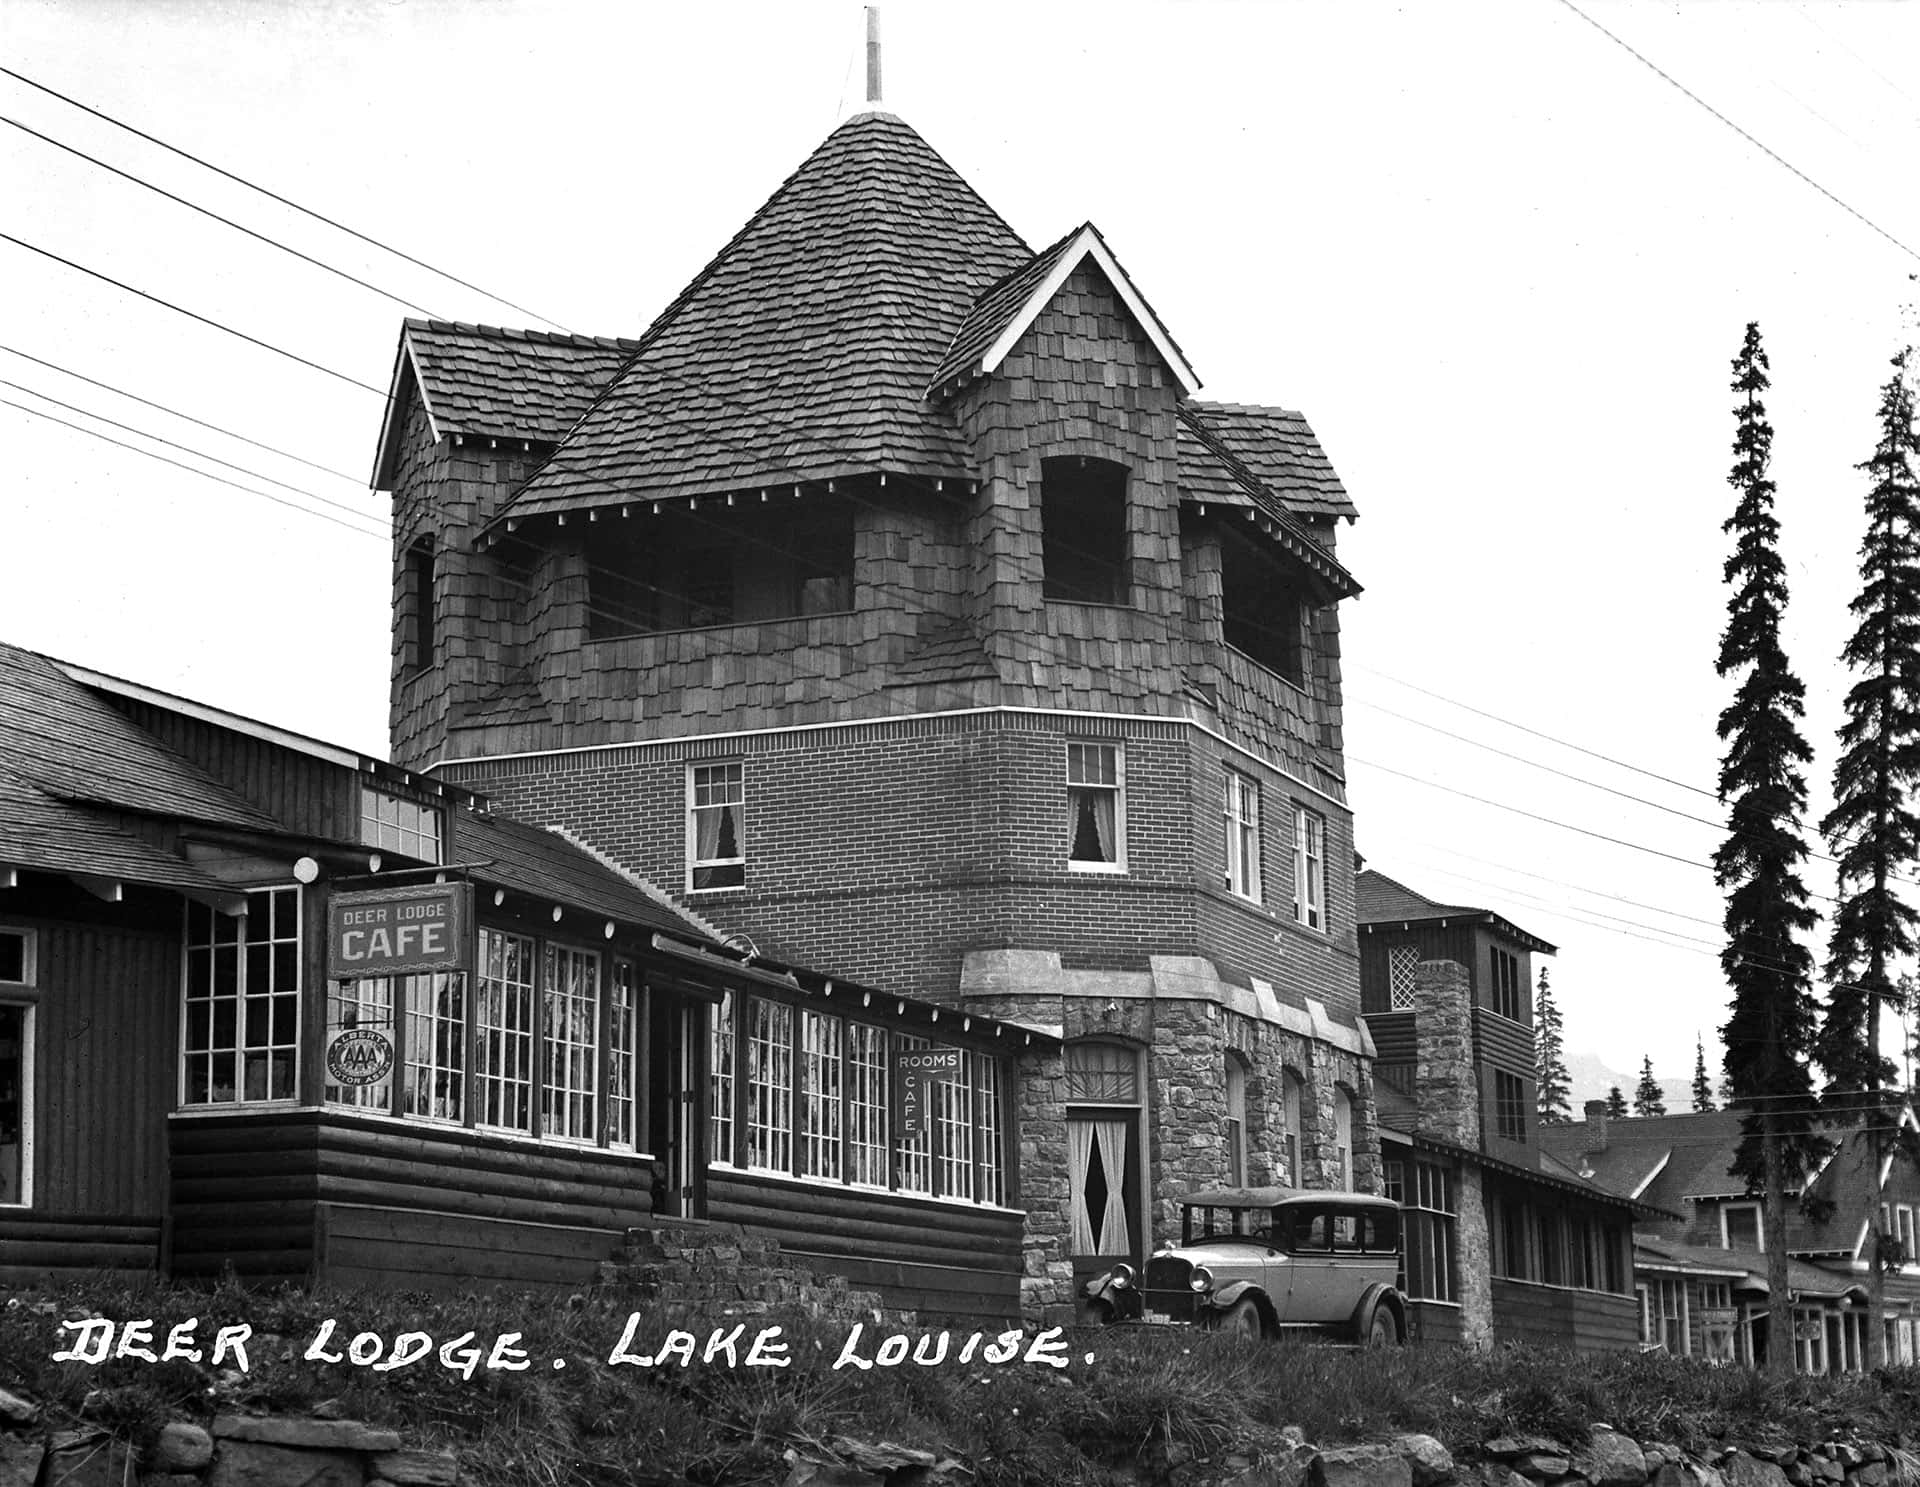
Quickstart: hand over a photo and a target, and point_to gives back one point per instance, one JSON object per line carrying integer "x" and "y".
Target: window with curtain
{"x": 571, "y": 1043}
{"x": 1235, "y": 1131}
{"x": 1290, "y": 1104}
{"x": 503, "y": 1026}
{"x": 820, "y": 1040}
{"x": 769, "y": 1078}
{"x": 720, "y": 1083}
{"x": 1096, "y": 814}
{"x": 716, "y": 826}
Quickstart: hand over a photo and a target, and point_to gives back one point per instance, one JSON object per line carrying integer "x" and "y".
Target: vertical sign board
{"x": 390, "y": 932}
{"x": 913, "y": 1070}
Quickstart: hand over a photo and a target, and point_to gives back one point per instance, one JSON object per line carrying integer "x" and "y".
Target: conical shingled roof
{"x": 804, "y": 349}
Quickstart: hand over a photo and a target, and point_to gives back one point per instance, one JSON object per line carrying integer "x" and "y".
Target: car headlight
{"x": 1202, "y": 1278}
{"x": 1122, "y": 1277}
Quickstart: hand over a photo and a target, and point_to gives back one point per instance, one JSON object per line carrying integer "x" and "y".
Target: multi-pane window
{"x": 1663, "y": 1313}
{"x": 867, "y": 1105}
{"x": 720, "y": 1082}
{"x": 1240, "y": 810}
{"x": 366, "y": 1003}
{"x": 436, "y": 1079}
{"x": 1425, "y": 1191}
{"x": 769, "y": 1081}
{"x": 1509, "y": 1106}
{"x": 1505, "y": 994}
{"x": 393, "y": 823}
{"x": 1402, "y": 962}
{"x": 1096, "y": 809}
{"x": 1310, "y": 868}
{"x": 986, "y": 1113}
{"x": 240, "y": 1036}
{"x": 820, "y": 1053}
{"x": 572, "y": 1004}
{"x": 622, "y": 1050}
{"x": 504, "y": 1026}
{"x": 716, "y": 825}
{"x": 951, "y": 1105}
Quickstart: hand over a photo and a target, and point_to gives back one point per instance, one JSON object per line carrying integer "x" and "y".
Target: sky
{"x": 1500, "y": 254}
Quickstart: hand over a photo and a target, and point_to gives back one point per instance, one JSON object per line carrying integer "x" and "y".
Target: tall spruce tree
{"x": 1872, "y": 828}
{"x": 1769, "y": 1032}
{"x": 1649, "y": 1098}
{"x": 1553, "y": 1097}
{"x": 1702, "y": 1086}
{"x": 1616, "y": 1104}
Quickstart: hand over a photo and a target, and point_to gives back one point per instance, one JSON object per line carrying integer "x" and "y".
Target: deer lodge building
{"x": 894, "y": 600}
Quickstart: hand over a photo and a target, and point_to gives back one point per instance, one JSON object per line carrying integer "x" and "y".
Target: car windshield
{"x": 1222, "y": 1225}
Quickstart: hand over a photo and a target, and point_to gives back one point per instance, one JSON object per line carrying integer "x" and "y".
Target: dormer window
{"x": 392, "y": 823}
{"x": 1083, "y": 527}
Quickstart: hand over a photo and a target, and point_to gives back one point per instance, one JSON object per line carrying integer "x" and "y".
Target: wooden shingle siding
{"x": 246, "y": 1188}
{"x": 940, "y": 1259}
{"x": 1558, "y": 1316}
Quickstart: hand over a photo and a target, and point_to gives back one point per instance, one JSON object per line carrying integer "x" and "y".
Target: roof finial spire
{"x": 873, "y": 56}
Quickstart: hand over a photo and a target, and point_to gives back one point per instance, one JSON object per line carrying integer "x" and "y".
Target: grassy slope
{"x": 588, "y": 1422}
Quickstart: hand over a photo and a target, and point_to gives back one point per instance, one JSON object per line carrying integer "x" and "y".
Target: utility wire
{"x": 188, "y": 449}
{"x": 275, "y": 196}
{"x": 379, "y": 392}
{"x": 203, "y": 474}
{"x": 1771, "y": 154}
{"x": 55, "y": 366}
{"x": 227, "y": 221}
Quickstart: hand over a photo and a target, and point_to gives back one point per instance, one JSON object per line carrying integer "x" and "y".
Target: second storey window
{"x": 716, "y": 825}
{"x": 1096, "y": 811}
{"x": 1310, "y": 869}
{"x": 1507, "y": 998}
{"x": 392, "y": 823}
{"x": 1241, "y": 810}
{"x": 1509, "y": 1106}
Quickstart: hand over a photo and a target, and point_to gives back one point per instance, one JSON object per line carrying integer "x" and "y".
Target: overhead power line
{"x": 275, "y": 196}
{"x": 203, "y": 474}
{"x": 55, "y": 366}
{"x": 379, "y": 392}
{"x": 188, "y": 449}
{"x": 1771, "y": 154}
{"x": 225, "y": 221}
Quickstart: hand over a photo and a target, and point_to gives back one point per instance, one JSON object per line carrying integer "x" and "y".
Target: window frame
{"x": 1309, "y": 869}
{"x": 262, "y": 896}
{"x": 1758, "y": 1210}
{"x": 1240, "y": 819}
{"x": 24, "y": 994}
{"x": 1233, "y": 1129}
{"x": 1117, "y": 791}
{"x": 696, "y": 864}
{"x": 1071, "y": 502}
{"x": 1509, "y": 1106}
{"x": 404, "y": 828}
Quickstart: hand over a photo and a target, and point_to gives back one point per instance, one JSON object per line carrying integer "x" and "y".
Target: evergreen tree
{"x": 1616, "y": 1104}
{"x": 1702, "y": 1086}
{"x": 1872, "y": 827}
{"x": 1650, "y": 1098}
{"x": 1553, "y": 1101}
{"x": 1769, "y": 1031}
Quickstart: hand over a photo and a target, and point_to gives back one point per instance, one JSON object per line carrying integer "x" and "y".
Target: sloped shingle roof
{"x": 804, "y": 349}
{"x": 479, "y": 379}
{"x": 1281, "y": 450}
{"x": 43, "y": 834}
{"x": 71, "y": 745}
{"x": 1379, "y": 900}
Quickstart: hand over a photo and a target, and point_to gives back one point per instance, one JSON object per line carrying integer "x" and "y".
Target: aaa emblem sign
{"x": 913, "y": 1070}
{"x": 398, "y": 931}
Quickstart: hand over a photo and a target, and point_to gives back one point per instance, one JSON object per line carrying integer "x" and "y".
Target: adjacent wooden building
{"x": 273, "y": 1006}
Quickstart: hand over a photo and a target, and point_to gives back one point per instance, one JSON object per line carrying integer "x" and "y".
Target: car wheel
{"x": 1243, "y": 1320}
{"x": 1383, "y": 1330}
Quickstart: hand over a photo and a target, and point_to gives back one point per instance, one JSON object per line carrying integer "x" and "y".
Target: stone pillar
{"x": 1447, "y": 1104}
{"x": 1187, "y": 1108}
{"x": 1046, "y": 1280}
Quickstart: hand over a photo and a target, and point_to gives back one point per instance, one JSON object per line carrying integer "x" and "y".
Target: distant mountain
{"x": 1591, "y": 1079}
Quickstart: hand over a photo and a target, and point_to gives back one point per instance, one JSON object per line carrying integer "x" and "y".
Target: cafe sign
{"x": 398, "y": 931}
{"x": 914, "y": 1069}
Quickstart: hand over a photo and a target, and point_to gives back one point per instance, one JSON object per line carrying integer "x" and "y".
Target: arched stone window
{"x": 1290, "y": 1106}
{"x": 1234, "y": 1131}
{"x": 1343, "y": 1139}
{"x": 1104, "y": 1141}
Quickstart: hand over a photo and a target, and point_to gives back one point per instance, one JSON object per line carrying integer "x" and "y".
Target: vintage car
{"x": 1256, "y": 1260}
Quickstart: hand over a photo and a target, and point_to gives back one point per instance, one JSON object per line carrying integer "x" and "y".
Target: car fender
{"x": 1228, "y": 1295}
{"x": 1379, "y": 1294}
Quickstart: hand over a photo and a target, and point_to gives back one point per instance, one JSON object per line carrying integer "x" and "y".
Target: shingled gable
{"x": 803, "y": 350}
{"x": 1380, "y": 903}
{"x": 1008, "y": 310}
{"x": 487, "y": 382}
